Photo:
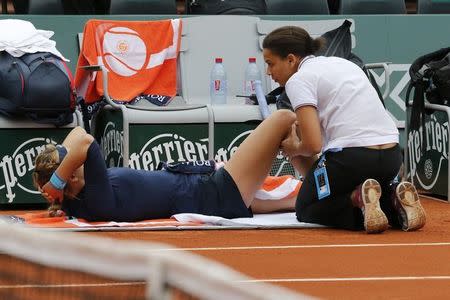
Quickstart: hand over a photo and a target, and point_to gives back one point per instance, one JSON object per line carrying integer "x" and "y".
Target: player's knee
{"x": 285, "y": 116}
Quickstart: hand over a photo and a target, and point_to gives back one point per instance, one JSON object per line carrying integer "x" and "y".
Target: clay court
{"x": 327, "y": 263}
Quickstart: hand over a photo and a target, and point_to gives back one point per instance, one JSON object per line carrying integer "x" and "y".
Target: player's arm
{"x": 77, "y": 144}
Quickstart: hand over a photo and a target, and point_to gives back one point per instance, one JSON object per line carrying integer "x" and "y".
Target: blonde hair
{"x": 45, "y": 165}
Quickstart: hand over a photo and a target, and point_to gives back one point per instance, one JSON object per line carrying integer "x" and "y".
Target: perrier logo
{"x": 111, "y": 145}
{"x": 168, "y": 147}
{"x": 428, "y": 151}
{"x": 16, "y": 168}
{"x": 172, "y": 147}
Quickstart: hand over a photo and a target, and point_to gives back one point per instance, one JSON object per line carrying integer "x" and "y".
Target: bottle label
{"x": 217, "y": 85}
{"x": 249, "y": 87}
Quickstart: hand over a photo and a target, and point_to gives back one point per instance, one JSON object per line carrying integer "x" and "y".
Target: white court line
{"x": 347, "y": 279}
{"x": 307, "y": 246}
{"x": 33, "y": 286}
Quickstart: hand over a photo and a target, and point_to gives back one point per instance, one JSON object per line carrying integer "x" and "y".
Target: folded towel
{"x": 278, "y": 187}
{"x": 22, "y": 37}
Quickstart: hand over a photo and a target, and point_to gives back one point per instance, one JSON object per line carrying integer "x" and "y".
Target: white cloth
{"x": 259, "y": 220}
{"x": 350, "y": 112}
{"x": 18, "y": 37}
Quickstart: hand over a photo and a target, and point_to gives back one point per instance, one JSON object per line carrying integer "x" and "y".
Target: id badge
{"x": 322, "y": 185}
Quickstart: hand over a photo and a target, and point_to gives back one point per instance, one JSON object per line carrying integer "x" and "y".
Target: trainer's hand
{"x": 51, "y": 194}
{"x": 290, "y": 145}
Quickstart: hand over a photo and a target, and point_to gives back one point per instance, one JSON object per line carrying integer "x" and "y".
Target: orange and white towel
{"x": 278, "y": 187}
{"x": 141, "y": 57}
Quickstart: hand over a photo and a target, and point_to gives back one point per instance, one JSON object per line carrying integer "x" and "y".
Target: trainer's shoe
{"x": 368, "y": 195}
{"x": 406, "y": 202}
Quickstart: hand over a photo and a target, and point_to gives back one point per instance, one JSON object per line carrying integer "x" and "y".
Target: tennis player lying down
{"x": 74, "y": 176}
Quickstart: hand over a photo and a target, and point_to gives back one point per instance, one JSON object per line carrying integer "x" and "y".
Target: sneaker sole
{"x": 411, "y": 209}
{"x": 375, "y": 221}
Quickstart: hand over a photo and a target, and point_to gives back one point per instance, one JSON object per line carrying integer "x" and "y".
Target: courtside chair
{"x": 297, "y": 7}
{"x": 433, "y": 6}
{"x": 143, "y": 7}
{"x": 367, "y": 7}
{"x": 20, "y": 6}
{"x": 45, "y": 7}
{"x": 205, "y": 7}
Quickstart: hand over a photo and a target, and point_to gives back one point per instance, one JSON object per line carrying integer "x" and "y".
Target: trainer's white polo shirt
{"x": 350, "y": 112}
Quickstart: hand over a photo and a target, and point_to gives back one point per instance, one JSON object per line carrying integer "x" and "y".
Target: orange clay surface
{"x": 329, "y": 263}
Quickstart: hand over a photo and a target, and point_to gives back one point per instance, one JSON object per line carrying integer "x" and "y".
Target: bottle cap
{"x": 252, "y": 59}
{"x": 218, "y": 60}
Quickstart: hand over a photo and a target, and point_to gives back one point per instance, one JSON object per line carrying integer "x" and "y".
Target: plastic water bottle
{"x": 262, "y": 102}
{"x": 252, "y": 74}
{"x": 218, "y": 85}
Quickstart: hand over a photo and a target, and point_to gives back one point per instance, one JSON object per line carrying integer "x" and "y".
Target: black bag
{"x": 430, "y": 78}
{"x": 38, "y": 86}
{"x": 338, "y": 43}
{"x": 432, "y": 72}
{"x": 227, "y": 7}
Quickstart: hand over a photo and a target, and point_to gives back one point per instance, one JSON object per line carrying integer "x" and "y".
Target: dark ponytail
{"x": 292, "y": 39}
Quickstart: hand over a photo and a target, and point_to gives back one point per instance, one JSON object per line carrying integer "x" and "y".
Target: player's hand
{"x": 290, "y": 145}
{"x": 52, "y": 195}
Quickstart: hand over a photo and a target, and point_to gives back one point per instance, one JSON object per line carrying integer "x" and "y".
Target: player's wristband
{"x": 57, "y": 182}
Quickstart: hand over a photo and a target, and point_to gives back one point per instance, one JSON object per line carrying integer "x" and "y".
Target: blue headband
{"x": 62, "y": 152}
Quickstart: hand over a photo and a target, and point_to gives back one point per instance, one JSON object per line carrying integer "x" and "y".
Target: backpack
{"x": 430, "y": 78}
{"x": 227, "y": 7}
{"x": 430, "y": 74}
{"x": 38, "y": 86}
{"x": 338, "y": 43}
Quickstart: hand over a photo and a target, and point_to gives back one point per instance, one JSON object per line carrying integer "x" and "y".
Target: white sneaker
{"x": 369, "y": 193}
{"x": 407, "y": 204}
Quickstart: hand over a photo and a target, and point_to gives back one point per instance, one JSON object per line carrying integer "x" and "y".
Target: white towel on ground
{"x": 258, "y": 220}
